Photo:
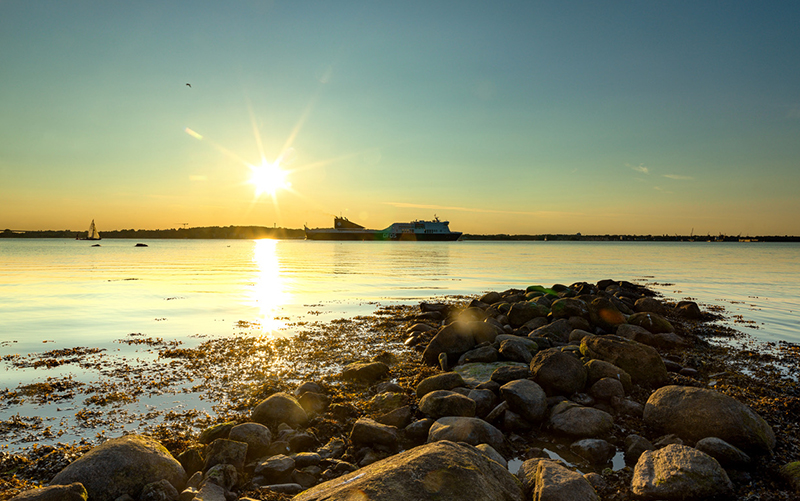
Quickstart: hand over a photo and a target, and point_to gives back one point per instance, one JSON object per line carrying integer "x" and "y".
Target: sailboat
{"x": 92, "y": 233}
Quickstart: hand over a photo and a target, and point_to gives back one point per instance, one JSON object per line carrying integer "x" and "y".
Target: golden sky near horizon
{"x": 521, "y": 117}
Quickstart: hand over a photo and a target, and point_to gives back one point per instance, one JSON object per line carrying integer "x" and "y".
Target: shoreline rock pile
{"x": 579, "y": 364}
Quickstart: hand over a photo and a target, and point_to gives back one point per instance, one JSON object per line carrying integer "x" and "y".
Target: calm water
{"x": 67, "y": 293}
{"x": 64, "y": 293}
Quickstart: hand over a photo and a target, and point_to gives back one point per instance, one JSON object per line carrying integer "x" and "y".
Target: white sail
{"x": 93, "y": 234}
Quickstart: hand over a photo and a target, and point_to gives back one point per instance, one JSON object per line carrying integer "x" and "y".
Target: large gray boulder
{"x": 642, "y": 362}
{"x": 555, "y": 482}
{"x": 679, "y": 472}
{"x": 71, "y": 492}
{"x": 121, "y": 466}
{"x": 473, "y": 431}
{"x": 557, "y": 372}
{"x": 279, "y": 408}
{"x": 443, "y": 470}
{"x": 696, "y": 413}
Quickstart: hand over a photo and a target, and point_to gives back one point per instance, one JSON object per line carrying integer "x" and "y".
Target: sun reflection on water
{"x": 269, "y": 293}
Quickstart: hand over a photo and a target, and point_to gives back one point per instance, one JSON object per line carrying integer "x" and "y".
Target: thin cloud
{"x": 405, "y": 205}
{"x": 639, "y": 168}
{"x": 678, "y": 177}
{"x": 198, "y": 178}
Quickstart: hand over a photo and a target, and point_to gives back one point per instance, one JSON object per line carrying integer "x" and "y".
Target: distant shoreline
{"x": 256, "y": 232}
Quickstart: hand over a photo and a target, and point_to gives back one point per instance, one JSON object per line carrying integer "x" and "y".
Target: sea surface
{"x": 58, "y": 294}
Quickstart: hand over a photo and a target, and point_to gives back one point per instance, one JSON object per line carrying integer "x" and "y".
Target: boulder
{"x": 257, "y": 437}
{"x": 473, "y": 431}
{"x": 365, "y": 372}
{"x": 71, "y": 492}
{"x": 688, "y": 310}
{"x": 313, "y": 403}
{"x": 456, "y": 339}
{"x": 475, "y": 374}
{"x": 443, "y": 381}
{"x": 525, "y": 311}
{"x": 482, "y": 354}
{"x": 605, "y": 314}
{"x": 635, "y": 445}
{"x": 399, "y": 418}
{"x": 575, "y": 420}
{"x": 569, "y": 307}
{"x": 132, "y": 461}
{"x": 665, "y": 340}
{"x": 558, "y": 373}
{"x": 653, "y": 322}
{"x": 679, "y": 472}
{"x": 607, "y": 388}
{"x": 224, "y": 451}
{"x": 443, "y": 470}
{"x": 370, "y": 433}
{"x": 599, "y": 369}
{"x": 441, "y": 403}
{"x": 279, "y": 408}
{"x": 525, "y": 398}
{"x": 485, "y": 401}
{"x": 555, "y": 482}
{"x": 491, "y": 298}
{"x": 791, "y": 474}
{"x": 213, "y": 432}
{"x": 726, "y": 454}
{"x": 594, "y": 450}
{"x": 642, "y": 362}
{"x": 696, "y": 413}
{"x": 159, "y": 491}
{"x": 515, "y": 351}
{"x": 507, "y": 373}
{"x": 555, "y": 331}
{"x": 276, "y": 469}
{"x": 649, "y": 304}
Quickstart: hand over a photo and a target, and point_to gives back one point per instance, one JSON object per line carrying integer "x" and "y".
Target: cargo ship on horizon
{"x": 344, "y": 229}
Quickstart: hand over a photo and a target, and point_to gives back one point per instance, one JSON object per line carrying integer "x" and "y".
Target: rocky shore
{"x": 588, "y": 391}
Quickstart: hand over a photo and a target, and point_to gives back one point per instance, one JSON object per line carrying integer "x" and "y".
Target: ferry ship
{"x": 344, "y": 229}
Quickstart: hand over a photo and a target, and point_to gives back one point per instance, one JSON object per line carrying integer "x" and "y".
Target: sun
{"x": 268, "y": 178}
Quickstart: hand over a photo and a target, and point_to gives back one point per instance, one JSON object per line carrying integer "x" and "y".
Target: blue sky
{"x": 502, "y": 117}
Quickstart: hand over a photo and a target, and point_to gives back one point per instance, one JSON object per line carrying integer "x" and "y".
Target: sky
{"x": 521, "y": 117}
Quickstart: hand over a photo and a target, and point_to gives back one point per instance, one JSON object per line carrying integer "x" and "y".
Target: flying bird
{"x": 189, "y": 85}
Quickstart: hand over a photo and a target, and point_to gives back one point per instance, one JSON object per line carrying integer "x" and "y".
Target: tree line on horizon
{"x": 257, "y": 232}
